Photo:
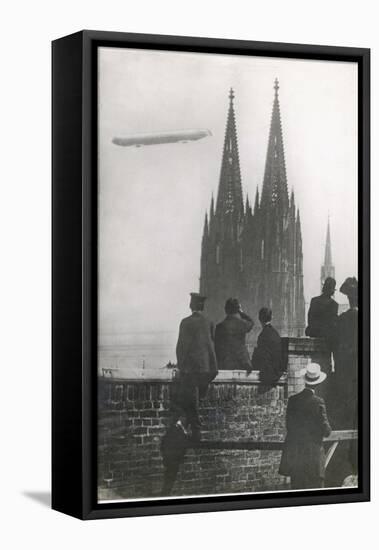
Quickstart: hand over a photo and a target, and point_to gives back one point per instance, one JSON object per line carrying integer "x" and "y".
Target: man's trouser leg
{"x": 185, "y": 401}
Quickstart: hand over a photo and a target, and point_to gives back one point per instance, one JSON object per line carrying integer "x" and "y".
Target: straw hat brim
{"x": 318, "y": 380}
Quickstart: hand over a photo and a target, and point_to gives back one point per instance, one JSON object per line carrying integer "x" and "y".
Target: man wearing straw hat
{"x": 303, "y": 457}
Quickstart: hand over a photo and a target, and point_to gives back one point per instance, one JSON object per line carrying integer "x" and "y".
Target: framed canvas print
{"x": 210, "y": 274}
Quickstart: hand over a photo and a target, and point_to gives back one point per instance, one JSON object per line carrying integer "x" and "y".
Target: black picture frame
{"x": 74, "y": 273}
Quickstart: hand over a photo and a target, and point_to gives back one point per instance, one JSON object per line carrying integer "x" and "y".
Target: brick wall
{"x": 134, "y": 415}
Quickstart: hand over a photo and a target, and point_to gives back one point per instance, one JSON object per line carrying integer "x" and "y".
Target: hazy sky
{"x": 152, "y": 200}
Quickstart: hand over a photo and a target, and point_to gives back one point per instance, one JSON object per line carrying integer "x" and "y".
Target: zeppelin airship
{"x": 178, "y": 136}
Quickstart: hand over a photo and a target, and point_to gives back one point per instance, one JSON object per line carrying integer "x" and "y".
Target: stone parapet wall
{"x": 134, "y": 416}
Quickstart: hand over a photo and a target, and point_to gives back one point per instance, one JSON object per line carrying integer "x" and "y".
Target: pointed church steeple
{"x": 205, "y": 231}
{"x": 327, "y": 270}
{"x": 247, "y": 206}
{"x": 328, "y": 247}
{"x": 275, "y": 191}
{"x": 229, "y": 198}
{"x": 212, "y": 211}
{"x": 298, "y": 224}
{"x": 292, "y": 203}
{"x": 253, "y": 249}
{"x": 256, "y": 203}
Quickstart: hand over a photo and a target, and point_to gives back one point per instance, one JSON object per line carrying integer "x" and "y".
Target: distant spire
{"x": 327, "y": 270}
{"x": 247, "y": 207}
{"x": 276, "y": 87}
{"x": 229, "y": 197}
{"x": 274, "y": 189}
{"x": 328, "y": 247}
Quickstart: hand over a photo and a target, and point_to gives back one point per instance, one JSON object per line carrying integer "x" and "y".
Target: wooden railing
{"x": 173, "y": 454}
{"x": 248, "y": 445}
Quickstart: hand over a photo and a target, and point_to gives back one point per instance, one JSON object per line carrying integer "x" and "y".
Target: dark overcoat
{"x": 230, "y": 343}
{"x": 346, "y": 370}
{"x": 307, "y": 424}
{"x": 267, "y": 357}
{"x": 322, "y": 317}
{"x": 195, "y": 348}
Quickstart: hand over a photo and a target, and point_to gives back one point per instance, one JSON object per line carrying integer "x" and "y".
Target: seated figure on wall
{"x": 230, "y": 337}
{"x": 267, "y": 356}
{"x": 197, "y": 366}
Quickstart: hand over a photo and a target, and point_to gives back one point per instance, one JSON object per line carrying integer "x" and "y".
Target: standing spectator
{"x": 267, "y": 356}
{"x": 345, "y": 387}
{"x": 323, "y": 311}
{"x": 322, "y": 319}
{"x": 230, "y": 338}
{"x": 303, "y": 457}
{"x": 346, "y": 355}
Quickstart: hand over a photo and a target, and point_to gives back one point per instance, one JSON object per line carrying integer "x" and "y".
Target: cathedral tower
{"x": 221, "y": 274}
{"x": 254, "y": 253}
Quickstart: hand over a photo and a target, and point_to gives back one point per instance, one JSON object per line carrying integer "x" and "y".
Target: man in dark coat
{"x": 267, "y": 356}
{"x": 345, "y": 387}
{"x": 303, "y": 457}
{"x": 197, "y": 365}
{"x": 346, "y": 355}
{"x": 230, "y": 338}
{"x": 323, "y": 311}
{"x": 322, "y": 319}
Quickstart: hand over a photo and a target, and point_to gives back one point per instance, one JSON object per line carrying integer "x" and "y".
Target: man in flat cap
{"x": 230, "y": 338}
{"x": 197, "y": 365}
{"x": 303, "y": 457}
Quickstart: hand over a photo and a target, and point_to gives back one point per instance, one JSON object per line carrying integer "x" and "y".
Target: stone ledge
{"x": 303, "y": 346}
{"x": 223, "y": 377}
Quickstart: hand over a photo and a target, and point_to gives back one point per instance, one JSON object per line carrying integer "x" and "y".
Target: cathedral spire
{"x": 229, "y": 198}
{"x": 252, "y": 247}
{"x": 327, "y": 270}
{"x": 298, "y": 224}
{"x": 247, "y": 207}
{"x": 292, "y": 201}
{"x": 205, "y": 232}
{"x": 274, "y": 189}
{"x": 256, "y": 203}
{"x": 328, "y": 247}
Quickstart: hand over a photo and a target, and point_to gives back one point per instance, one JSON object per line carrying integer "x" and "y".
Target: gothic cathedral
{"x": 254, "y": 253}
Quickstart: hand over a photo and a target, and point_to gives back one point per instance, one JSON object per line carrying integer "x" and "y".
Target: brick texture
{"x": 133, "y": 417}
